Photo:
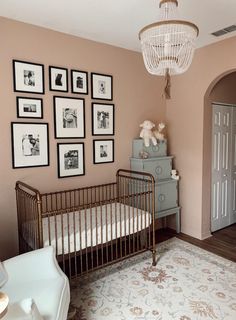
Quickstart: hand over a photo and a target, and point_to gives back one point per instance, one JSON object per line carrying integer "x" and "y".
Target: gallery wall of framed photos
{"x": 30, "y": 140}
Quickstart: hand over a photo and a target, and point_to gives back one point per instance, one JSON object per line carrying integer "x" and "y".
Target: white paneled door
{"x": 223, "y": 186}
{"x": 233, "y": 186}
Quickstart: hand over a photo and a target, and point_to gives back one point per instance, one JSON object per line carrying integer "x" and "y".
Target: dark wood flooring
{"x": 222, "y": 242}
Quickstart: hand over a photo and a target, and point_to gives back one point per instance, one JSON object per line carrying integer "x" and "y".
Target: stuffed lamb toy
{"x": 147, "y": 134}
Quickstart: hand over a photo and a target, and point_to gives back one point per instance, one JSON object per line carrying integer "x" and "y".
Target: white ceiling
{"x": 118, "y": 22}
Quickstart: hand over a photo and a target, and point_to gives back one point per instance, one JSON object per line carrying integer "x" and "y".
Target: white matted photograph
{"x": 30, "y": 146}
{"x": 103, "y": 119}
{"x": 102, "y": 86}
{"x": 29, "y": 107}
{"x": 58, "y": 79}
{"x": 28, "y": 77}
{"x": 70, "y": 158}
{"x": 79, "y": 82}
{"x": 69, "y": 117}
{"x": 103, "y": 151}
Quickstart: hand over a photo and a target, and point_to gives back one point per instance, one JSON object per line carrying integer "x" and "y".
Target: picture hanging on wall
{"x": 28, "y": 77}
{"x": 30, "y": 147}
{"x": 102, "y": 86}
{"x": 79, "y": 82}
{"x": 69, "y": 117}
{"x": 58, "y": 79}
{"x": 70, "y": 158}
{"x": 103, "y": 151}
{"x": 29, "y": 107}
{"x": 103, "y": 119}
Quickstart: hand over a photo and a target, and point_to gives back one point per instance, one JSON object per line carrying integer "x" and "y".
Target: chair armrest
{"x": 37, "y": 264}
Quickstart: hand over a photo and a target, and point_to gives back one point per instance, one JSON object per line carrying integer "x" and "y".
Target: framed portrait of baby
{"x": 28, "y": 77}
{"x": 30, "y": 147}
{"x": 69, "y": 117}
{"x": 102, "y": 86}
{"x": 58, "y": 79}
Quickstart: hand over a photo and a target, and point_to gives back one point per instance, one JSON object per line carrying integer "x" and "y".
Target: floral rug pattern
{"x": 187, "y": 283}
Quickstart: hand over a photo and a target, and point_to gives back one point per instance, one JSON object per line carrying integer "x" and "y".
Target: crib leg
{"x": 154, "y": 259}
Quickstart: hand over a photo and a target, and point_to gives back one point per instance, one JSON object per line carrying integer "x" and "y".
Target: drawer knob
{"x": 161, "y": 197}
{"x": 159, "y": 170}
{"x": 155, "y": 148}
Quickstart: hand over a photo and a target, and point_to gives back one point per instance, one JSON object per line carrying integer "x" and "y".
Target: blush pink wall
{"x": 137, "y": 96}
{"x": 187, "y": 135}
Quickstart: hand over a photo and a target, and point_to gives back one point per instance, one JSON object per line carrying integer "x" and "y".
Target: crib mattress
{"x": 74, "y": 231}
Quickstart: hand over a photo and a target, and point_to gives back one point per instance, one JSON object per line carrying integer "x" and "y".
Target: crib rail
{"x": 90, "y": 227}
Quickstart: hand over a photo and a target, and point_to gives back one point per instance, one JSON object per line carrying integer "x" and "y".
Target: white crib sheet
{"x": 113, "y": 221}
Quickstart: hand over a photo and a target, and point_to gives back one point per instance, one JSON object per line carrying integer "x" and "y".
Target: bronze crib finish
{"x": 90, "y": 227}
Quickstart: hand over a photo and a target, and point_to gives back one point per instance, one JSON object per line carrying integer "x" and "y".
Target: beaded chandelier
{"x": 168, "y": 45}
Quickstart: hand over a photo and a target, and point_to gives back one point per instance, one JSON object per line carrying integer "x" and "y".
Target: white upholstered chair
{"x": 37, "y": 275}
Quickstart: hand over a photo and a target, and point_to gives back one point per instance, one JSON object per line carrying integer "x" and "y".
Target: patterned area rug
{"x": 188, "y": 283}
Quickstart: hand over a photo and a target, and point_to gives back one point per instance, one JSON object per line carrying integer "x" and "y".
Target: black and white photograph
{"x": 28, "y": 77}
{"x": 79, "y": 82}
{"x": 102, "y": 86}
{"x": 58, "y": 79}
{"x": 29, "y": 107}
{"x": 103, "y": 119}
{"x": 103, "y": 151}
{"x": 69, "y": 117}
{"x": 29, "y": 144}
{"x": 70, "y": 159}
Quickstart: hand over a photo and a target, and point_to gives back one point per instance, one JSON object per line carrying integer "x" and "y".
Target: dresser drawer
{"x": 166, "y": 195}
{"x": 159, "y": 150}
{"x": 159, "y": 167}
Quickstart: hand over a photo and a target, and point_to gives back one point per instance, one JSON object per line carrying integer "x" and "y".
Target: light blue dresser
{"x": 160, "y": 166}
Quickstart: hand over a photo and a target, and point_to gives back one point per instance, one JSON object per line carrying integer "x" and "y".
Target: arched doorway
{"x": 222, "y": 89}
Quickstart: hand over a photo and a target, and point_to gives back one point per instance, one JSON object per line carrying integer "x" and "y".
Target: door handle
{"x": 224, "y": 175}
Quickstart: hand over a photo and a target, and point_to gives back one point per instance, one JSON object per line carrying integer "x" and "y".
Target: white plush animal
{"x": 147, "y": 134}
{"x": 158, "y": 133}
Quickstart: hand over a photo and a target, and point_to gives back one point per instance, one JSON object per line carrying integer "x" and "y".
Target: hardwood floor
{"x": 222, "y": 242}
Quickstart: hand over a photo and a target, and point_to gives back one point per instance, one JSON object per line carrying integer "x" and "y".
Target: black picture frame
{"x": 28, "y": 77}
{"x": 70, "y": 159}
{"x": 69, "y": 117}
{"x": 58, "y": 79}
{"x": 102, "y": 86}
{"x": 103, "y": 151}
{"x": 103, "y": 119}
{"x": 30, "y": 144}
{"x": 31, "y": 108}
{"x": 79, "y": 81}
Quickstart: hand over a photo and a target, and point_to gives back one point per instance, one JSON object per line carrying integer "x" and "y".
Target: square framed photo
{"x": 103, "y": 151}
{"x": 102, "y": 86}
{"x": 29, "y": 107}
{"x": 30, "y": 147}
{"x": 58, "y": 79}
{"x": 79, "y": 82}
{"x": 69, "y": 117}
{"x": 70, "y": 158}
{"x": 103, "y": 116}
{"x": 28, "y": 77}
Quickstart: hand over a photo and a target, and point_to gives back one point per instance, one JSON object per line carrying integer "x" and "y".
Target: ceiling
{"x": 117, "y": 22}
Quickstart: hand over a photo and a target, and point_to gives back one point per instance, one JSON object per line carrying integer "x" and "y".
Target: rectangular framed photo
{"x": 29, "y": 107}
{"x": 79, "y": 82}
{"x": 103, "y": 119}
{"x": 103, "y": 151}
{"x": 58, "y": 79}
{"x": 30, "y": 146}
{"x": 70, "y": 158}
{"x": 102, "y": 86}
{"x": 28, "y": 77}
{"x": 69, "y": 117}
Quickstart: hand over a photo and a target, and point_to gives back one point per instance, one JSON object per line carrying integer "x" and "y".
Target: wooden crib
{"x": 90, "y": 227}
